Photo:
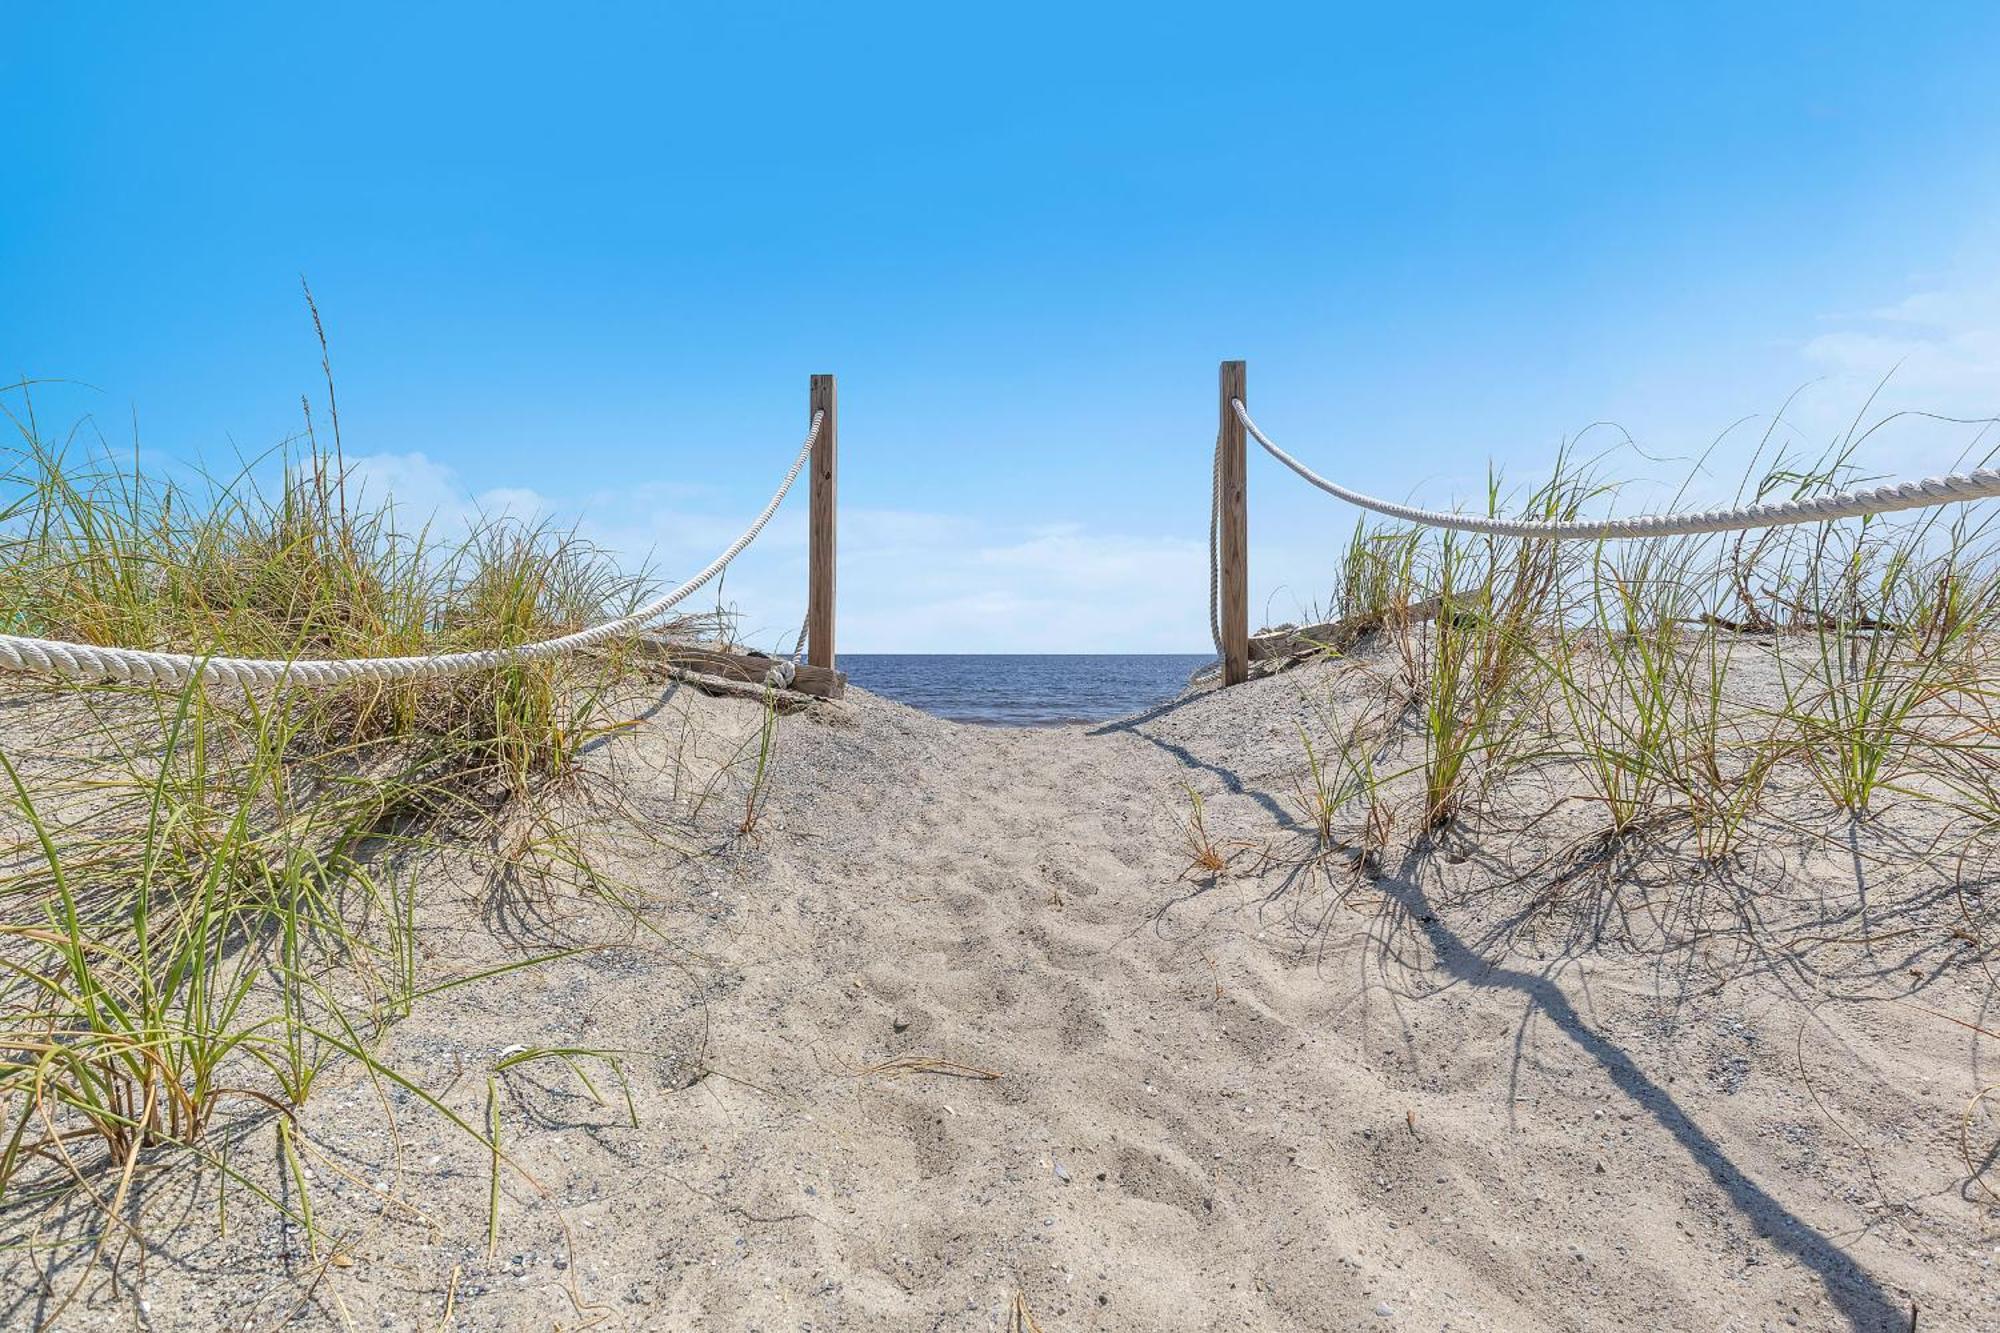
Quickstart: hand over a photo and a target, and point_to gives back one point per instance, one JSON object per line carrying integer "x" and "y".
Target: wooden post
{"x": 820, "y": 588}
{"x": 1235, "y": 537}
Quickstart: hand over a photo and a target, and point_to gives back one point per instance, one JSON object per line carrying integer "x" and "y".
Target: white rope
{"x": 1214, "y": 567}
{"x": 1214, "y": 556}
{"x": 1978, "y": 485}
{"x": 80, "y": 661}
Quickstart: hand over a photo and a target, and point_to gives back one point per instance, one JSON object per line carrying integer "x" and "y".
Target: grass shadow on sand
{"x": 1859, "y": 1298}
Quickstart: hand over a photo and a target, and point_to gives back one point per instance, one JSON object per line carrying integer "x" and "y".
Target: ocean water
{"x": 1025, "y": 689}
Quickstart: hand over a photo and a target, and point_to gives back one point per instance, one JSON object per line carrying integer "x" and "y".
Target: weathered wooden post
{"x": 1235, "y": 536}
{"x": 825, "y": 470}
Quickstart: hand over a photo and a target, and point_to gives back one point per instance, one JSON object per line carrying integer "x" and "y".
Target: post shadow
{"x": 1859, "y": 1298}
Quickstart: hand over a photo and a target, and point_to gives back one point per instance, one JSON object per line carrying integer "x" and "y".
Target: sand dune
{"x": 1289, "y": 1096}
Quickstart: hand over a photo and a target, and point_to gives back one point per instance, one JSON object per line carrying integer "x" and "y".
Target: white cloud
{"x": 424, "y": 491}
{"x": 954, "y": 584}
{"x": 1961, "y": 361}
{"x": 1939, "y": 351}
{"x": 909, "y": 580}
{"x": 514, "y": 502}
{"x": 1915, "y": 381}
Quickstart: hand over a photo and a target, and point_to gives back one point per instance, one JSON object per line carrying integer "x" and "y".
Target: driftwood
{"x": 1302, "y": 640}
{"x": 781, "y": 701}
{"x": 1292, "y": 642}
{"x": 741, "y": 668}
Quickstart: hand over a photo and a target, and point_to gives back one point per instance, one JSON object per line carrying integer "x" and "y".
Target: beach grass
{"x": 224, "y": 902}
{"x": 1613, "y": 670}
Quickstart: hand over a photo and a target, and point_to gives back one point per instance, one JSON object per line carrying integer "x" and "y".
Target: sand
{"x": 1289, "y": 1096}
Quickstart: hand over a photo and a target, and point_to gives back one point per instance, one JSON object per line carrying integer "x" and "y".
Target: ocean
{"x": 1025, "y": 689}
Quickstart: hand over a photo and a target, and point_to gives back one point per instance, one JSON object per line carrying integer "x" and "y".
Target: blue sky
{"x": 580, "y": 261}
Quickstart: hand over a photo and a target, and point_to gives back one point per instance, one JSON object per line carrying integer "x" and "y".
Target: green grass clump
{"x": 1616, "y": 670}
{"x": 1898, "y": 640}
{"x": 226, "y": 900}
{"x": 1469, "y": 669}
{"x": 300, "y": 567}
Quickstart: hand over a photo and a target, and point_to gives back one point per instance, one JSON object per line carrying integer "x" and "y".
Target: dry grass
{"x": 186, "y": 920}
{"x": 1205, "y": 857}
{"x": 1020, "y": 1319}
{"x": 1612, "y": 665}
{"x": 918, "y": 1064}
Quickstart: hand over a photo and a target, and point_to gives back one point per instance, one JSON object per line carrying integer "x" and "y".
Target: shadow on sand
{"x": 1852, "y": 1291}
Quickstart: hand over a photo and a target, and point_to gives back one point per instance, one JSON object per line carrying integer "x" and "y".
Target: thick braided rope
{"x": 80, "y": 661}
{"x": 1214, "y": 566}
{"x": 1959, "y": 486}
{"x": 1214, "y": 555}
{"x": 799, "y": 644}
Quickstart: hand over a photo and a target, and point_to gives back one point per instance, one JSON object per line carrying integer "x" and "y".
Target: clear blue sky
{"x": 581, "y": 259}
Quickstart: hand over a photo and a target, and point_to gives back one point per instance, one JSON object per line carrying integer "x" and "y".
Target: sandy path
{"x": 1281, "y": 1098}
{"x": 1269, "y": 1111}
{"x": 1221, "y": 1106}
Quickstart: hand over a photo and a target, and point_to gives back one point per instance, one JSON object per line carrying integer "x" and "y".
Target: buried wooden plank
{"x": 783, "y": 701}
{"x": 1331, "y": 636}
{"x": 749, "y": 668}
{"x": 1303, "y": 640}
{"x": 1267, "y": 644}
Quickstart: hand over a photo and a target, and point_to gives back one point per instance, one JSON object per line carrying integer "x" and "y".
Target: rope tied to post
{"x": 1957, "y": 487}
{"x": 80, "y": 661}
{"x": 1954, "y": 488}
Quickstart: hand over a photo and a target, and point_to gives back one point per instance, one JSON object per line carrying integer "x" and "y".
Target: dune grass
{"x": 1612, "y": 669}
{"x": 1769, "y": 753}
{"x": 223, "y": 901}
{"x": 1468, "y": 667}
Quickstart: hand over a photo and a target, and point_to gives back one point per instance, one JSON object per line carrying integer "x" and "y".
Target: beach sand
{"x": 1482, "y": 1089}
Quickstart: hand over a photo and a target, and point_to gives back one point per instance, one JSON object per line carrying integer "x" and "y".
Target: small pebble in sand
{"x": 1384, "y": 1309}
